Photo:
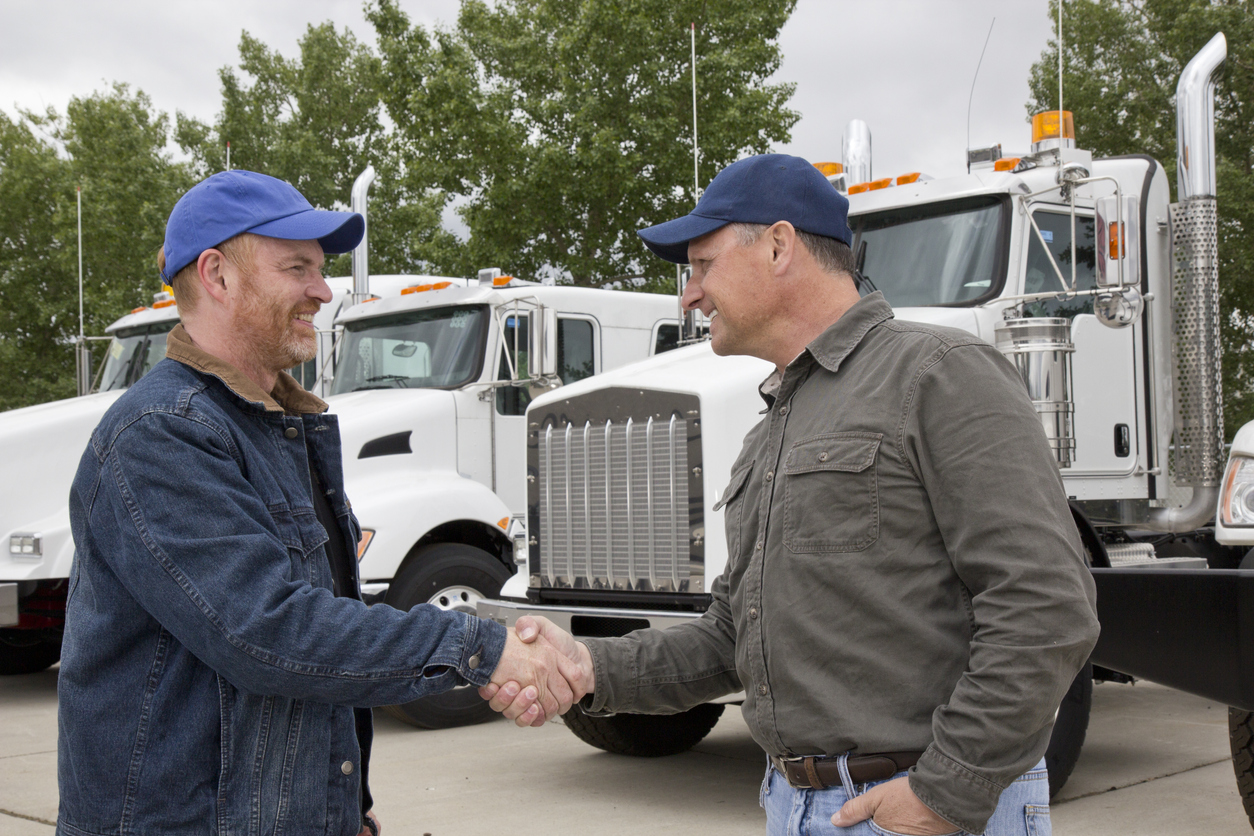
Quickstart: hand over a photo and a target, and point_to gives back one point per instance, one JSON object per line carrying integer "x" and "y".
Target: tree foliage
{"x": 560, "y": 127}
{"x": 113, "y": 145}
{"x": 1121, "y": 62}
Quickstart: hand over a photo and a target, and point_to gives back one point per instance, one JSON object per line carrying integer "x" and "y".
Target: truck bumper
{"x": 8, "y": 605}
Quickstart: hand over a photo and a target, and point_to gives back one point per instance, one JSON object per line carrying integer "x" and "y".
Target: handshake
{"x": 543, "y": 672}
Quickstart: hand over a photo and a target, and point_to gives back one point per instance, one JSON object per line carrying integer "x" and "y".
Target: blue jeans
{"x": 1022, "y": 811}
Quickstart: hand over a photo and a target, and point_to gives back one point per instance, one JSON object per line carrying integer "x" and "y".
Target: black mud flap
{"x": 1190, "y": 629}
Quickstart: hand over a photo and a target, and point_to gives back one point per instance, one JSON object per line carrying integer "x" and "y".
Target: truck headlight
{"x": 517, "y": 534}
{"x": 25, "y": 545}
{"x": 1236, "y": 504}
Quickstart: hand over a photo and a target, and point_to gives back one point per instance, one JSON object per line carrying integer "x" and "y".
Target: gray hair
{"x": 832, "y": 255}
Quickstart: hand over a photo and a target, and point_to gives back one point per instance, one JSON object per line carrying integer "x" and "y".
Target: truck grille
{"x": 612, "y": 495}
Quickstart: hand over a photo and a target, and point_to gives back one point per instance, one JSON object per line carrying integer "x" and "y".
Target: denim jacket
{"x": 211, "y": 682}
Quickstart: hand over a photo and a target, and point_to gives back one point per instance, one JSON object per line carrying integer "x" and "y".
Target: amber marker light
{"x": 364, "y": 543}
{"x": 503, "y": 522}
{"x": 880, "y": 184}
{"x": 1006, "y": 164}
{"x": 140, "y": 308}
{"x": 830, "y": 169}
{"x": 440, "y": 285}
{"x": 164, "y": 303}
{"x": 1045, "y": 125}
{"x": 502, "y": 281}
{"x": 860, "y": 188}
{"x": 418, "y": 288}
{"x": 908, "y": 178}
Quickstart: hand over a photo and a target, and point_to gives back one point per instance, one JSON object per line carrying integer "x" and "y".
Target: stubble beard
{"x": 270, "y": 327}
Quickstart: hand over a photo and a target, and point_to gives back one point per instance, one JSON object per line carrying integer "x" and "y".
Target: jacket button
{"x": 759, "y": 546}
{"x": 770, "y": 475}
{"x": 291, "y": 432}
{"x": 762, "y": 689}
{"x": 823, "y": 456}
{"x": 783, "y": 410}
{"x": 753, "y": 612}
{"x": 347, "y": 767}
{"x": 473, "y": 662}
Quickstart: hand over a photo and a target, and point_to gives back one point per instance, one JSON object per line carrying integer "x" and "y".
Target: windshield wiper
{"x": 395, "y": 377}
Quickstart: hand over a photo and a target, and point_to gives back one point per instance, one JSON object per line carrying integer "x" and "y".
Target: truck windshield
{"x": 433, "y": 348}
{"x": 133, "y": 353}
{"x": 950, "y": 253}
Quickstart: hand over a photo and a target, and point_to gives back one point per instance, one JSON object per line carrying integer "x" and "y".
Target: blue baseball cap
{"x": 231, "y": 202}
{"x": 757, "y": 190}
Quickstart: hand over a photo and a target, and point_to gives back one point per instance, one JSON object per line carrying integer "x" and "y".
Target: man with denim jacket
{"x": 218, "y": 663}
{"x": 906, "y": 599}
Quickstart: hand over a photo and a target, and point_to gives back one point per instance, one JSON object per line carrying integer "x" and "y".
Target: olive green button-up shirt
{"x": 903, "y": 573}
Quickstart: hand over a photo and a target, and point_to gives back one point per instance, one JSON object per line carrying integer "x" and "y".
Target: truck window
{"x": 432, "y": 348}
{"x": 1040, "y": 277}
{"x": 948, "y": 253}
{"x": 667, "y": 338}
{"x": 133, "y": 353}
{"x": 575, "y": 359}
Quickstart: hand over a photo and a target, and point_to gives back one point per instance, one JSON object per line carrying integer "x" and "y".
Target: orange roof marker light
{"x": 860, "y": 188}
{"x": 1049, "y": 131}
{"x": 164, "y": 303}
{"x": 418, "y": 288}
{"x": 912, "y": 177}
{"x": 440, "y": 285}
{"x": 830, "y": 169}
{"x": 502, "y": 281}
{"x": 1006, "y": 164}
{"x": 140, "y": 308}
{"x": 880, "y": 184}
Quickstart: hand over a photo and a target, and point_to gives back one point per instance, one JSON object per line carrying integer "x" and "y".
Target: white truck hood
{"x": 429, "y": 416}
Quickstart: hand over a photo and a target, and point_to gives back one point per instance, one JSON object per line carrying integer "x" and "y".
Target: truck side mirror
{"x": 1118, "y": 242}
{"x": 543, "y": 342}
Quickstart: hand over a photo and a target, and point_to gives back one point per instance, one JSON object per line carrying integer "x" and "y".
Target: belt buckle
{"x": 812, "y": 782}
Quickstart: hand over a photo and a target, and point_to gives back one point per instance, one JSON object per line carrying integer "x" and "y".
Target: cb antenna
{"x": 1060, "y": 117}
{"x": 972, "y": 96}
{"x": 696, "y": 182}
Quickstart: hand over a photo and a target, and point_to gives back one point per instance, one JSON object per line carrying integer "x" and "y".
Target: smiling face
{"x": 274, "y": 302}
{"x": 730, "y": 284}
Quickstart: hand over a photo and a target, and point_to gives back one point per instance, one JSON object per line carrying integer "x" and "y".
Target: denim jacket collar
{"x": 287, "y": 396}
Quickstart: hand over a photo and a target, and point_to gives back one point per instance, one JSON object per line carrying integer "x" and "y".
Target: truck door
{"x": 1105, "y": 365}
{"x": 576, "y": 359}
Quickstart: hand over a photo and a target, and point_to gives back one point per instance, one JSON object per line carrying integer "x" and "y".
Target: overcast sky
{"x": 903, "y": 66}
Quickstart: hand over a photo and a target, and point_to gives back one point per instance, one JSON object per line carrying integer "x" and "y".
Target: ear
{"x": 211, "y": 269}
{"x": 783, "y": 241}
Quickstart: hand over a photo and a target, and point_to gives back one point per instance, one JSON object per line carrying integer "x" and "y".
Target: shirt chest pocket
{"x": 734, "y": 501}
{"x": 303, "y": 535}
{"x": 831, "y": 493}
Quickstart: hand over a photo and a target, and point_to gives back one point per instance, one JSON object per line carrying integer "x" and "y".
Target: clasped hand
{"x": 542, "y": 673}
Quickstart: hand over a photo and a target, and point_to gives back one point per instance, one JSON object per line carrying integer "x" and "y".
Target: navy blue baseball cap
{"x": 231, "y": 202}
{"x": 757, "y": 190}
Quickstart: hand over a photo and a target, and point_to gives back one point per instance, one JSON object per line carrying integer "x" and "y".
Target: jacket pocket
{"x": 831, "y": 493}
{"x": 733, "y": 500}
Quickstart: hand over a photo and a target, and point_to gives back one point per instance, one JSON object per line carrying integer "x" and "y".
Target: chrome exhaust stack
{"x": 361, "y": 272}
{"x": 1198, "y": 459}
{"x": 855, "y": 152}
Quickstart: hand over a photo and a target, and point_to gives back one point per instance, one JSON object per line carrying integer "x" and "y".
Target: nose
{"x": 320, "y": 290}
{"x": 693, "y": 293}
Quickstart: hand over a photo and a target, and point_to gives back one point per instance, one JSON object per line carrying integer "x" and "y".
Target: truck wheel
{"x": 450, "y": 576}
{"x": 645, "y": 735}
{"x": 1070, "y": 726}
{"x": 27, "y": 651}
{"x": 1241, "y": 739}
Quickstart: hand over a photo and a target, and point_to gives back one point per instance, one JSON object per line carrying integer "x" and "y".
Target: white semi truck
{"x": 430, "y": 377}
{"x": 1083, "y": 272}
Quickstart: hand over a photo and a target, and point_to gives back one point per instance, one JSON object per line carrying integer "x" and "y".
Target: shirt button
{"x": 783, "y": 410}
{"x": 753, "y": 612}
{"x": 762, "y": 689}
{"x": 473, "y": 662}
{"x": 291, "y": 432}
{"x": 759, "y": 546}
{"x": 823, "y": 456}
{"x": 347, "y": 767}
{"x": 770, "y": 475}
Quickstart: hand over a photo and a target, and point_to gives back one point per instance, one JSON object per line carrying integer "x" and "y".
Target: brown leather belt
{"x": 817, "y": 773}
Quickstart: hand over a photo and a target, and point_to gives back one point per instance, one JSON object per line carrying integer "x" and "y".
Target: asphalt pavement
{"x": 1155, "y": 762}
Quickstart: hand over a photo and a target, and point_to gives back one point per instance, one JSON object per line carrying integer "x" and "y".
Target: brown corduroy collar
{"x": 287, "y": 396}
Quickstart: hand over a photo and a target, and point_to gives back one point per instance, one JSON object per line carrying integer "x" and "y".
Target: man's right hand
{"x": 524, "y": 705}
{"x": 533, "y": 681}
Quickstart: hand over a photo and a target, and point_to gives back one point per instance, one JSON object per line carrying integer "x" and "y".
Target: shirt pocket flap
{"x": 737, "y": 482}
{"x": 846, "y": 452}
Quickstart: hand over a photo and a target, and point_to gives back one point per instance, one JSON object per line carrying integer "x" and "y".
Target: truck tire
{"x": 1241, "y": 739}
{"x": 645, "y": 735}
{"x": 451, "y": 576}
{"x": 27, "y": 651}
{"x": 1071, "y": 724}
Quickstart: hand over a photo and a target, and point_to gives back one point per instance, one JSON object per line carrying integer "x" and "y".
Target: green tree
{"x": 1121, "y": 62}
{"x": 113, "y": 145}
{"x": 315, "y": 122}
{"x": 559, "y": 127}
